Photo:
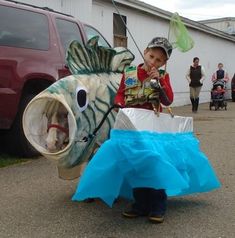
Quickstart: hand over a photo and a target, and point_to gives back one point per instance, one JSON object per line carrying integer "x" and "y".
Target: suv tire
{"x": 16, "y": 142}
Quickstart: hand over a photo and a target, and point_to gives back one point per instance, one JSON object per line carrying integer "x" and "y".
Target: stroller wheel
{"x": 225, "y": 106}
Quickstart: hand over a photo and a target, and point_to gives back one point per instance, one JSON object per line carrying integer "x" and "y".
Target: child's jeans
{"x": 149, "y": 201}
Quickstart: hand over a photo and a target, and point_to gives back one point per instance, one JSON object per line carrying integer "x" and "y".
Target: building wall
{"x": 227, "y": 26}
{"x": 71, "y": 7}
{"x": 209, "y": 48}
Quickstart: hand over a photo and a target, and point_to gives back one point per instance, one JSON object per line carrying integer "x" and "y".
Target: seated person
{"x": 218, "y": 92}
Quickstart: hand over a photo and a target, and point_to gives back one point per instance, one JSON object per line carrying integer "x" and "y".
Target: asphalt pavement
{"x": 35, "y": 203}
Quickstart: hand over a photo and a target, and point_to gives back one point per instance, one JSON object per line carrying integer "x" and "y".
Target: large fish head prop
{"x": 83, "y": 98}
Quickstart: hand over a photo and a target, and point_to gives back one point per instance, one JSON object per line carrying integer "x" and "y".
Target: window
{"x": 68, "y": 31}
{"x": 91, "y": 32}
{"x": 119, "y": 30}
{"x": 24, "y": 29}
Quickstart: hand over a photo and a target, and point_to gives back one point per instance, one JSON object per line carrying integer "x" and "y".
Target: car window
{"x": 68, "y": 31}
{"x": 91, "y": 32}
{"x": 24, "y": 29}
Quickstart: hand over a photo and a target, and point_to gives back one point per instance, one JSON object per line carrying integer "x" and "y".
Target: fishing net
{"x": 179, "y": 36}
{"x": 37, "y": 117}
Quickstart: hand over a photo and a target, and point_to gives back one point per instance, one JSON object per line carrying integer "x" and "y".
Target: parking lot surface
{"x": 35, "y": 203}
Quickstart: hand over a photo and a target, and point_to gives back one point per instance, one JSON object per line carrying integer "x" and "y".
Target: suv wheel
{"x": 16, "y": 142}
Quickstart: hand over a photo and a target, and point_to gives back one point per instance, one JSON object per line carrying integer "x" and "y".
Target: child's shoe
{"x": 156, "y": 218}
{"x": 133, "y": 213}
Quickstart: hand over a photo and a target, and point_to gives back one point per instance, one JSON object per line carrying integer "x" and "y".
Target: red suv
{"x": 33, "y": 43}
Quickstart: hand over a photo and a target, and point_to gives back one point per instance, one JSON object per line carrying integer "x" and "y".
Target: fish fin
{"x": 93, "y": 58}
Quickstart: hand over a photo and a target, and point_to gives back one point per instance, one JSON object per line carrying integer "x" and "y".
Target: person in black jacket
{"x": 195, "y": 77}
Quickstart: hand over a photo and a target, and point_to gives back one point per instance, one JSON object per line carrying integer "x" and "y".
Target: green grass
{"x": 7, "y": 160}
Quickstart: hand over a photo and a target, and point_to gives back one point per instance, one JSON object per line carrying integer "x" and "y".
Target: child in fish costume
{"x": 139, "y": 161}
{"x": 142, "y": 150}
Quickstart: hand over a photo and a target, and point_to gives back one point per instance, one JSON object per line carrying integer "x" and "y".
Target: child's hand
{"x": 116, "y": 109}
{"x": 153, "y": 73}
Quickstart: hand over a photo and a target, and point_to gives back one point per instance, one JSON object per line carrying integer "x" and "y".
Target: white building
{"x": 144, "y": 22}
{"x": 226, "y": 24}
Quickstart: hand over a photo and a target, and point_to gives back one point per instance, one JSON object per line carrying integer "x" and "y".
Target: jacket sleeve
{"x": 213, "y": 78}
{"x": 226, "y": 77}
{"x": 203, "y": 74}
{"x": 167, "y": 96}
{"x": 188, "y": 76}
{"x": 120, "y": 96}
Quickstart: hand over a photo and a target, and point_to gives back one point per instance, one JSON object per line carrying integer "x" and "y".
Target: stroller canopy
{"x": 219, "y": 83}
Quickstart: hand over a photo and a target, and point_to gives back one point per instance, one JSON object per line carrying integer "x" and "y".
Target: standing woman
{"x": 195, "y": 77}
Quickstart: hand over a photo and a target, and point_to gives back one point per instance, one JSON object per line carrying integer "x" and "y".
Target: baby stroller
{"x": 217, "y": 95}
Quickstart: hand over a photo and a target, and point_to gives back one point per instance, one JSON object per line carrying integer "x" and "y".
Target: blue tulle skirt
{"x": 132, "y": 159}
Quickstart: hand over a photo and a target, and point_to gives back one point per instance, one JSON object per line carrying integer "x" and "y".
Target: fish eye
{"x": 81, "y": 98}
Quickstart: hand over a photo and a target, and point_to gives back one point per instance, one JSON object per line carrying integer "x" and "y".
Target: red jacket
{"x": 142, "y": 75}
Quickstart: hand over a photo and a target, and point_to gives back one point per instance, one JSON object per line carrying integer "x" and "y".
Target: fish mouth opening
{"x": 49, "y": 125}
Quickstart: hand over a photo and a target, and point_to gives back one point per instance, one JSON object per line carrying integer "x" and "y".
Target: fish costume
{"x": 84, "y": 97}
{"x": 149, "y": 151}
